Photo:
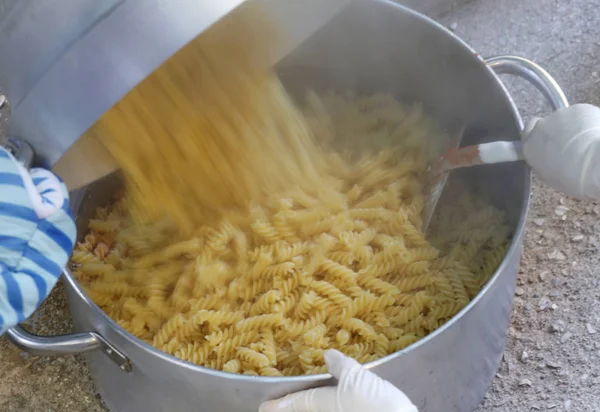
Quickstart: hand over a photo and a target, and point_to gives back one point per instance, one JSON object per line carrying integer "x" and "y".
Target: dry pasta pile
{"x": 266, "y": 290}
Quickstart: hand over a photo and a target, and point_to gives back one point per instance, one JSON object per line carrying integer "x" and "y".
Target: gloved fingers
{"x": 352, "y": 377}
{"x": 338, "y": 363}
{"x": 52, "y": 233}
{"x": 563, "y": 149}
{"x": 311, "y": 400}
{"x": 56, "y": 232}
{"x": 46, "y": 192}
{"x": 529, "y": 127}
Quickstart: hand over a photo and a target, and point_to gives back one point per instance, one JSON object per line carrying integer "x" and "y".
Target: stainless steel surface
{"x": 60, "y": 78}
{"x": 372, "y": 46}
{"x": 517, "y": 66}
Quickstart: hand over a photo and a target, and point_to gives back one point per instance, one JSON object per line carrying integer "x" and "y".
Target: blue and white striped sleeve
{"x": 37, "y": 233}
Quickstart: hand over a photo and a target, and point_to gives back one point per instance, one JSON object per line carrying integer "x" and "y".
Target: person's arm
{"x": 37, "y": 233}
{"x": 563, "y": 149}
{"x": 358, "y": 390}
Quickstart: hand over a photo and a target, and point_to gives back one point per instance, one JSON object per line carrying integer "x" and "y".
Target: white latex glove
{"x": 358, "y": 390}
{"x": 564, "y": 150}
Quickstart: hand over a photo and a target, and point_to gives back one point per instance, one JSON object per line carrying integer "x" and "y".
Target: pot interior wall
{"x": 370, "y": 50}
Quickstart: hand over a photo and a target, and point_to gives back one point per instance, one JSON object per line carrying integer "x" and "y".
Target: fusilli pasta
{"x": 265, "y": 292}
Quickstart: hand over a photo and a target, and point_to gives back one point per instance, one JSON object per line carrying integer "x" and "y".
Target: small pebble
{"x": 519, "y": 291}
{"x": 566, "y": 337}
{"x": 578, "y": 238}
{"x": 554, "y": 293}
{"x": 551, "y": 406}
{"x": 556, "y": 255}
{"x": 591, "y": 330}
{"x": 554, "y": 282}
{"x": 453, "y": 26}
{"x": 554, "y": 306}
{"x": 524, "y": 357}
{"x": 544, "y": 275}
{"x": 544, "y": 303}
{"x": 568, "y": 405}
{"x": 539, "y": 222}
{"x": 509, "y": 367}
{"x": 526, "y": 382}
{"x": 561, "y": 210}
{"x": 553, "y": 365}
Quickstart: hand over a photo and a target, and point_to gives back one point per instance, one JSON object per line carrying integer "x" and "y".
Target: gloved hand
{"x": 37, "y": 233}
{"x": 358, "y": 390}
{"x": 564, "y": 150}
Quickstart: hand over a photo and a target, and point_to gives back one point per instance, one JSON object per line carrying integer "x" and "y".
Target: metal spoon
{"x": 455, "y": 158}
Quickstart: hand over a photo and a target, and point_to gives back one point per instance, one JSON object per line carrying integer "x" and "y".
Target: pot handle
{"x": 61, "y": 345}
{"x": 534, "y": 74}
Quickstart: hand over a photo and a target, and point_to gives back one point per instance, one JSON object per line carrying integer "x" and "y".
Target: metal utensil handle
{"x": 481, "y": 154}
{"x": 69, "y": 344}
{"x": 534, "y": 74}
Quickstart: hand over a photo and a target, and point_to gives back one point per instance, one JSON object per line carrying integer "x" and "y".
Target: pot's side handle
{"x": 534, "y": 74}
{"x": 53, "y": 345}
{"x": 65, "y": 345}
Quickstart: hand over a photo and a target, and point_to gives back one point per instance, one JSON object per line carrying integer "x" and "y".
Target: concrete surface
{"x": 552, "y": 361}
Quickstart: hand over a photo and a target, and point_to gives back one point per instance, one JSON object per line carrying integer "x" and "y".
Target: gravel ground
{"x": 552, "y": 361}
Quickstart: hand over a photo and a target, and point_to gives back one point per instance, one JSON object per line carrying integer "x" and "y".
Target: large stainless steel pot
{"x": 373, "y": 46}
